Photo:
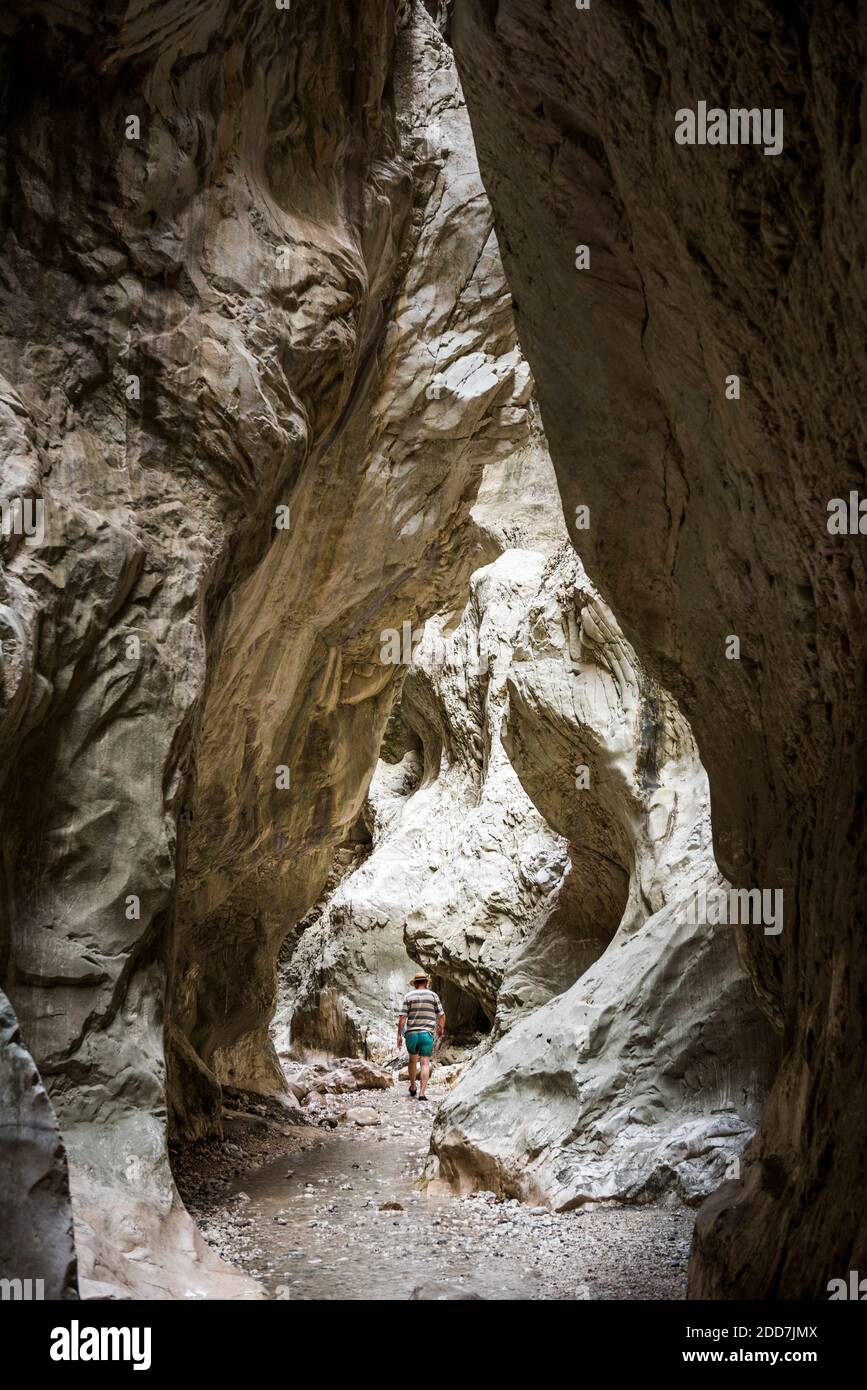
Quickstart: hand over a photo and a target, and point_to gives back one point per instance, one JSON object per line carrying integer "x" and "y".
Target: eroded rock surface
{"x": 463, "y": 875}
{"x": 256, "y": 350}
{"x": 379, "y": 538}
{"x": 538, "y": 794}
{"x": 221, "y": 322}
{"x": 36, "y": 1237}
{"x": 647, "y": 1075}
{"x": 708, "y": 515}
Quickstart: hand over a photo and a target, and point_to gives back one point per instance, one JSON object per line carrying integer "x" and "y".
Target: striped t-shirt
{"x": 422, "y": 1008}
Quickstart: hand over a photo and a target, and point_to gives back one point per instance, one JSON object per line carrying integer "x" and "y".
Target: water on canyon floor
{"x": 348, "y": 1218}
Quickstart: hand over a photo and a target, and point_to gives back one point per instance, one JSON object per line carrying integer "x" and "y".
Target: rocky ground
{"x": 324, "y": 1202}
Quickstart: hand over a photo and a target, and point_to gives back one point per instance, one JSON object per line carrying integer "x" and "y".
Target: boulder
{"x": 363, "y": 1115}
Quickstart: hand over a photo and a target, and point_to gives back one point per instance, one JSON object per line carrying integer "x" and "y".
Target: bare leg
{"x": 425, "y": 1073}
{"x": 413, "y": 1063}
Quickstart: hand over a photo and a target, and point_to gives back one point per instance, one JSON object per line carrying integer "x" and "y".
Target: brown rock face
{"x": 301, "y": 685}
{"x": 708, "y": 515}
{"x": 256, "y": 348}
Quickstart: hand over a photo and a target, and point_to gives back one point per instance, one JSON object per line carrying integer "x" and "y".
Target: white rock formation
{"x": 628, "y": 1055}
{"x": 649, "y": 1073}
{"x": 464, "y": 873}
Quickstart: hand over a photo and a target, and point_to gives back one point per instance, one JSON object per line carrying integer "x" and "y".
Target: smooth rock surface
{"x": 431, "y": 387}
{"x": 362, "y": 1115}
{"x": 708, "y": 515}
{"x": 463, "y": 875}
{"x": 255, "y": 354}
{"x": 648, "y": 1074}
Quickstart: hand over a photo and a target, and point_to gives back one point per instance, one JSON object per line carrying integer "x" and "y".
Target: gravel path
{"x": 316, "y": 1212}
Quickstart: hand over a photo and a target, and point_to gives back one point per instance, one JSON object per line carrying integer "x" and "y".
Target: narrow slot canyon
{"x": 410, "y": 602}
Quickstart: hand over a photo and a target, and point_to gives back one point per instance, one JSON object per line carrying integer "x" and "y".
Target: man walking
{"x": 421, "y": 1017}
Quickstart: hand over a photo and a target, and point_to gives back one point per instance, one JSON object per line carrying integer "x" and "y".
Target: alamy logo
{"x": 743, "y": 907}
{"x": 740, "y": 126}
{"x": 400, "y": 648}
{"x": 76, "y": 1343}
{"x": 22, "y": 1290}
{"x": 403, "y": 648}
{"x": 847, "y": 518}
{"x": 856, "y": 1289}
{"x": 23, "y": 516}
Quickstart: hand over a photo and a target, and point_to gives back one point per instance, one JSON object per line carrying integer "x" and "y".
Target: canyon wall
{"x": 540, "y": 825}
{"x": 708, "y": 508}
{"x": 301, "y": 683}
{"x": 647, "y": 1073}
{"x": 36, "y": 1236}
{"x": 256, "y": 349}
{"x": 463, "y": 875}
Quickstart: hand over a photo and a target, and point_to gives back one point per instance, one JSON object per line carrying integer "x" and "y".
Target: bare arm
{"x": 401, "y": 1024}
{"x": 441, "y": 1024}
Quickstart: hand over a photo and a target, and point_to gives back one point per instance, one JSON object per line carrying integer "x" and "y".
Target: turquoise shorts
{"x": 420, "y": 1044}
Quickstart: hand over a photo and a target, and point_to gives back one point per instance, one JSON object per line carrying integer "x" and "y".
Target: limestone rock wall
{"x": 646, "y": 1074}
{"x": 540, "y": 823}
{"x": 464, "y": 875}
{"x": 36, "y": 1236}
{"x": 708, "y": 515}
{"x": 379, "y": 537}
{"x": 256, "y": 348}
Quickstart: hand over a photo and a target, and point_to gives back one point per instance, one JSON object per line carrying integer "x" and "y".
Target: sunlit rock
{"x": 646, "y": 1076}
